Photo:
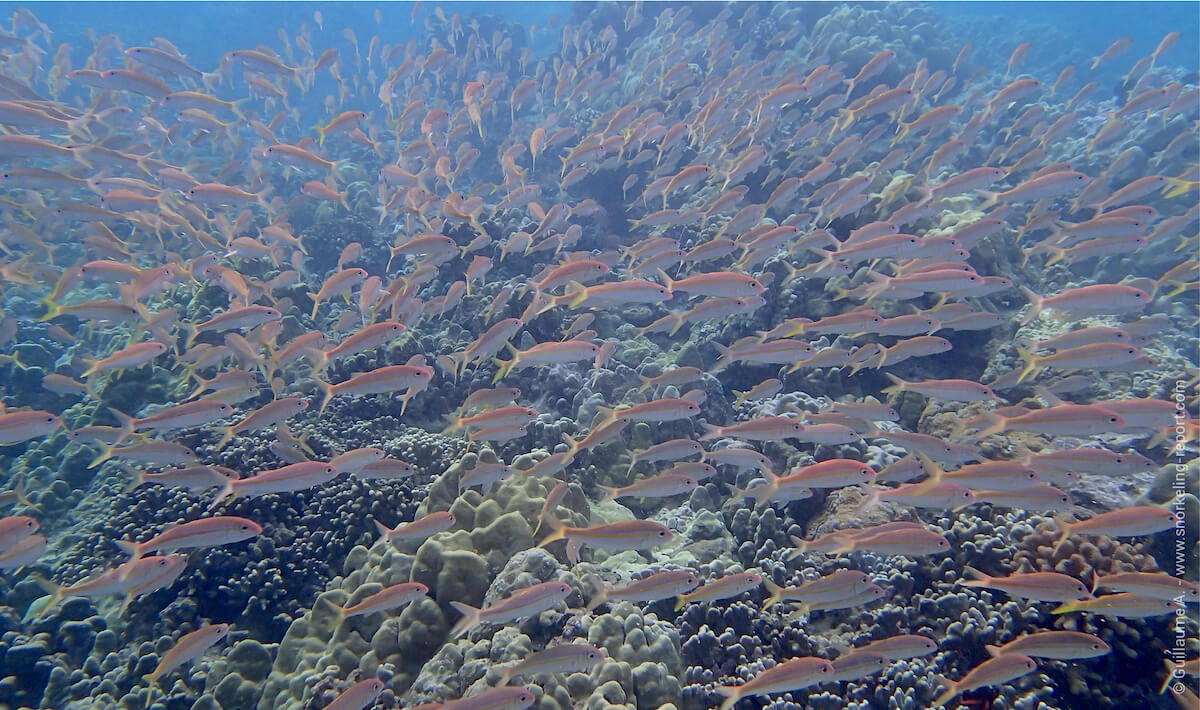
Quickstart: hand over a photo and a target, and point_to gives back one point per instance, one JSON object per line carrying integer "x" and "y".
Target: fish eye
{"x": 49, "y": 419}
{"x": 245, "y": 527}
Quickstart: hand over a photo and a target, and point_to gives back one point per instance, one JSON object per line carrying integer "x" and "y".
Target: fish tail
{"x": 575, "y": 294}
{"x": 321, "y": 136}
{"x": 505, "y": 367}
{"x": 1180, "y": 287}
{"x": 1170, "y": 668}
{"x": 667, "y": 280}
{"x": 407, "y": 397}
{"x": 338, "y": 612}
{"x": 731, "y": 693}
{"x": 52, "y": 310}
{"x": 897, "y": 384}
{"x": 52, "y": 600}
{"x": 326, "y": 393}
{"x": 192, "y": 332}
{"x": 319, "y": 361}
{"x": 139, "y": 477}
{"x": 799, "y": 547}
{"x": 87, "y": 374}
{"x": 776, "y": 594}
{"x": 128, "y": 423}
{"x": 572, "y": 446}
{"x": 385, "y": 532}
{"x": 610, "y": 494}
{"x": 991, "y": 199}
{"x": 1064, "y": 525}
{"x": 129, "y": 547}
{"x": 469, "y": 620}
{"x": 869, "y": 503}
{"x": 678, "y": 318}
{"x": 993, "y": 651}
{"x": 225, "y": 438}
{"x": 844, "y": 120}
{"x": 20, "y": 493}
{"x": 601, "y": 592}
{"x": 978, "y": 579}
{"x": 946, "y": 697}
{"x": 995, "y": 425}
{"x": 710, "y": 431}
{"x": 105, "y": 454}
{"x": 725, "y": 360}
{"x": 225, "y": 492}
{"x": 316, "y": 305}
{"x": 460, "y": 363}
{"x": 1058, "y": 255}
{"x": 559, "y": 530}
{"x": 1035, "y": 306}
{"x": 1030, "y": 367}
{"x": 1176, "y": 187}
{"x": 933, "y": 473}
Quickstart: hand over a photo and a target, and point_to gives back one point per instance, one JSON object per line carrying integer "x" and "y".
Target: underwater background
{"x": 599, "y": 355}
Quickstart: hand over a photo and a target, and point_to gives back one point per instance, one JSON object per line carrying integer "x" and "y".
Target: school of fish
{"x": 790, "y": 212}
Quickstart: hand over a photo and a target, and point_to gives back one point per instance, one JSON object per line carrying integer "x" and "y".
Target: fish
{"x": 206, "y": 532}
{"x": 662, "y": 485}
{"x": 386, "y": 599}
{"x": 193, "y": 478}
{"x": 1159, "y": 585}
{"x": 901, "y": 647}
{"x": 501, "y": 698}
{"x": 947, "y": 390}
{"x": 293, "y": 477}
{"x": 621, "y": 535}
{"x": 994, "y": 671}
{"x": 1061, "y": 645}
{"x": 1039, "y": 586}
{"x": 383, "y": 380}
{"x": 1121, "y": 606}
{"x": 16, "y": 427}
{"x": 15, "y": 528}
{"x": 188, "y": 648}
{"x": 1126, "y": 522}
{"x": 660, "y": 585}
{"x": 839, "y": 584}
{"x": 358, "y": 696}
{"x": 793, "y": 674}
{"x": 563, "y": 658}
{"x": 731, "y": 585}
{"x": 269, "y": 414}
{"x": 523, "y": 604}
{"x": 419, "y": 529}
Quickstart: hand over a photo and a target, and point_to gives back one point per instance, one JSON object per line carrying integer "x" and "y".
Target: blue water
{"x": 270, "y": 586}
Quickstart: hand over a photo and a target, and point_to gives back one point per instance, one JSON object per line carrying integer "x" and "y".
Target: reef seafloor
{"x": 651, "y": 356}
